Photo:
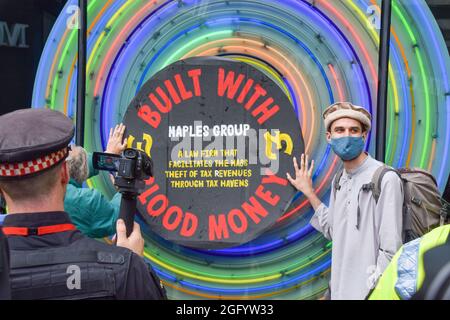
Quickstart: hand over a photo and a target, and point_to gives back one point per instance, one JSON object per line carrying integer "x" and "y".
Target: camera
{"x": 131, "y": 170}
{"x": 133, "y": 164}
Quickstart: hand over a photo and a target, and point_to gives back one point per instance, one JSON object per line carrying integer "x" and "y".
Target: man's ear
{"x": 364, "y": 135}
{"x": 328, "y": 136}
{"x": 65, "y": 176}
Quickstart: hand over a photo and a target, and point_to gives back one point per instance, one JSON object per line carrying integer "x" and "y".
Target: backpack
{"x": 423, "y": 207}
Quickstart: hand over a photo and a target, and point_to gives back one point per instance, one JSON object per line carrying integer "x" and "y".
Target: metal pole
{"x": 446, "y": 194}
{"x": 383, "y": 67}
{"x": 81, "y": 79}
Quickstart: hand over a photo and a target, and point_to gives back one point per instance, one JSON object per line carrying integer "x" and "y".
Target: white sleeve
{"x": 321, "y": 219}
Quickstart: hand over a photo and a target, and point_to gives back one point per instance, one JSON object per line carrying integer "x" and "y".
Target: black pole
{"x": 383, "y": 67}
{"x": 81, "y": 81}
{"x": 128, "y": 210}
{"x": 446, "y": 194}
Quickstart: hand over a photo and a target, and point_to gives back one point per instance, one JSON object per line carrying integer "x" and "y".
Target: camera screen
{"x": 105, "y": 161}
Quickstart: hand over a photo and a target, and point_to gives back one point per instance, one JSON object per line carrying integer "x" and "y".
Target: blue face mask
{"x": 347, "y": 148}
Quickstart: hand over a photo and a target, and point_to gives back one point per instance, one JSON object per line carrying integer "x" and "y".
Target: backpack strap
{"x": 337, "y": 178}
{"x": 445, "y": 212}
{"x": 374, "y": 186}
{"x": 377, "y": 178}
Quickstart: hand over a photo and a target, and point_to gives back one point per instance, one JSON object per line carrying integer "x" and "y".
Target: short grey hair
{"x": 78, "y": 165}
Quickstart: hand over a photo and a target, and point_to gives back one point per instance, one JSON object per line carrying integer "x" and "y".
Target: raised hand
{"x": 115, "y": 144}
{"x": 303, "y": 176}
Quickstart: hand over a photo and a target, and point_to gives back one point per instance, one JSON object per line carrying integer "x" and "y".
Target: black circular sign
{"x": 222, "y": 136}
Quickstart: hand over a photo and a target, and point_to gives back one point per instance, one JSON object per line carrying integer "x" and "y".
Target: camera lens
{"x": 130, "y": 153}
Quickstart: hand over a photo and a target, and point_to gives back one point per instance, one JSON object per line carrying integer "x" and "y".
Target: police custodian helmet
{"x": 32, "y": 141}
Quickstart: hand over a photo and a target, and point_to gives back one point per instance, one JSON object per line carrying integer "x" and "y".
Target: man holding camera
{"x": 50, "y": 258}
{"x": 92, "y": 213}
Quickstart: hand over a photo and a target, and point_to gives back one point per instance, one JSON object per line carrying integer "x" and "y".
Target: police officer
{"x": 50, "y": 258}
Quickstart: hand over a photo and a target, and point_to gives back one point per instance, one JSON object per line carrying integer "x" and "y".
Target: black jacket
{"x": 69, "y": 265}
{"x": 5, "y": 290}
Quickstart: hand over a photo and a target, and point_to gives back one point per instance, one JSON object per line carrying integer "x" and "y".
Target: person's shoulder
{"x": 149, "y": 285}
{"x": 389, "y": 177}
{"x": 138, "y": 262}
{"x": 82, "y": 196}
{"x": 442, "y": 232}
{"x": 377, "y": 165}
{"x": 74, "y": 192}
{"x": 101, "y": 246}
{"x": 392, "y": 176}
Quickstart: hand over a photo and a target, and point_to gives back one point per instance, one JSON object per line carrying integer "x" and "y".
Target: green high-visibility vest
{"x": 405, "y": 274}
